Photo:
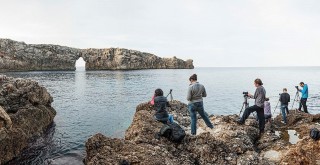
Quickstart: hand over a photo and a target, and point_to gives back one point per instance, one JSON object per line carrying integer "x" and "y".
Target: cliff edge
{"x": 19, "y": 56}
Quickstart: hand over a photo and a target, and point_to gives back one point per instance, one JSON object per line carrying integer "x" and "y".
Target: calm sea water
{"x": 88, "y": 102}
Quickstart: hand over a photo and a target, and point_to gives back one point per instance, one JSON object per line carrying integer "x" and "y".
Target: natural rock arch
{"x": 19, "y": 56}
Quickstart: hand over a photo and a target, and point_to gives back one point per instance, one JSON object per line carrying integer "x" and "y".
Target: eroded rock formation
{"x": 25, "y": 112}
{"x": 227, "y": 143}
{"x": 19, "y": 56}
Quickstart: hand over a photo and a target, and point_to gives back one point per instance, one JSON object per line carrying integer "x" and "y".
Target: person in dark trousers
{"x": 304, "y": 92}
{"x": 160, "y": 105}
{"x": 260, "y": 97}
{"x": 284, "y": 100}
{"x": 196, "y": 92}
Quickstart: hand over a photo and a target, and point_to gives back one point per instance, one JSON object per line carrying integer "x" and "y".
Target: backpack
{"x": 173, "y": 132}
{"x": 314, "y": 134}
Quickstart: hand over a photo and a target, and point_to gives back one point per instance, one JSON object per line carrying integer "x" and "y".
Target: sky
{"x": 214, "y": 33}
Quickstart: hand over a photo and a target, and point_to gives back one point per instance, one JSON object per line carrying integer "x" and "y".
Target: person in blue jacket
{"x": 304, "y": 96}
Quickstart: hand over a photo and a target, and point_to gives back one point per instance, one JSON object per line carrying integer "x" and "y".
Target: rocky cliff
{"x": 25, "y": 112}
{"x": 19, "y": 56}
{"x": 227, "y": 143}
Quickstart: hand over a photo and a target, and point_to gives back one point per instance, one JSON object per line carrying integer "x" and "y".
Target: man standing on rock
{"x": 304, "y": 97}
{"x": 260, "y": 97}
{"x": 195, "y": 93}
{"x": 284, "y": 100}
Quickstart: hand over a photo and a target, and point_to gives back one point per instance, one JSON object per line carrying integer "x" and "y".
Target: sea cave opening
{"x": 80, "y": 64}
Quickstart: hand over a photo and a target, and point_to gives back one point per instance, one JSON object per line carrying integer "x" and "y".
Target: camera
{"x": 245, "y": 93}
{"x": 296, "y": 86}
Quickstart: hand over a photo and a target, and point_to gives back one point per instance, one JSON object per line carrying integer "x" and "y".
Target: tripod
{"x": 170, "y": 93}
{"x": 296, "y": 99}
{"x": 245, "y": 103}
{"x": 275, "y": 108}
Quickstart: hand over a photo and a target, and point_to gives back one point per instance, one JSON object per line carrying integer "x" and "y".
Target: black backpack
{"x": 315, "y": 134}
{"x": 173, "y": 132}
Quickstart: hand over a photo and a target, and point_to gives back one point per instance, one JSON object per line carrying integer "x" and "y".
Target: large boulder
{"x": 19, "y": 56}
{"x": 227, "y": 143}
{"x": 25, "y": 113}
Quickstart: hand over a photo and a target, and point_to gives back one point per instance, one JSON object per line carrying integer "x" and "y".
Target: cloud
{"x": 213, "y": 33}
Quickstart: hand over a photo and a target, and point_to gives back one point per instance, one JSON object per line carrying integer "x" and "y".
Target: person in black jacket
{"x": 284, "y": 100}
{"x": 160, "y": 105}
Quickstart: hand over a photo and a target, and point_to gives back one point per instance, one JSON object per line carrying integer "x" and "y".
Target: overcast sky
{"x": 213, "y": 33}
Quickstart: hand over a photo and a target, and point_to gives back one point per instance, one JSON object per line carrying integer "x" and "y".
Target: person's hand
{"x": 250, "y": 95}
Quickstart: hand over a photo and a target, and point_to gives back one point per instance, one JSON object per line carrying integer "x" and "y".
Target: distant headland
{"x": 19, "y": 56}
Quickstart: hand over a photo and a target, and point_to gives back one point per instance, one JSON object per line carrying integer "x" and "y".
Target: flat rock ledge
{"x": 19, "y": 56}
{"x": 227, "y": 143}
{"x": 25, "y": 113}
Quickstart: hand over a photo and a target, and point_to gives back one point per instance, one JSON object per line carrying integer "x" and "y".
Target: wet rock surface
{"x": 227, "y": 143}
{"x": 19, "y": 56}
{"x": 25, "y": 113}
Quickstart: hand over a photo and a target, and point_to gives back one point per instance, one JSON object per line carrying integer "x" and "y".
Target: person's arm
{"x": 204, "y": 93}
{"x": 304, "y": 90}
{"x": 280, "y": 99}
{"x": 189, "y": 94}
{"x": 288, "y": 98}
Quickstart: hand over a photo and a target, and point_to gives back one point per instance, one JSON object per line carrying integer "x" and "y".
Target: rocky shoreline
{"x": 25, "y": 113}
{"x": 19, "y": 56}
{"x": 227, "y": 143}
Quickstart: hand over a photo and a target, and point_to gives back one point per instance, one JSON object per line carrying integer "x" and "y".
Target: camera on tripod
{"x": 170, "y": 93}
{"x": 297, "y": 87}
{"x": 245, "y": 94}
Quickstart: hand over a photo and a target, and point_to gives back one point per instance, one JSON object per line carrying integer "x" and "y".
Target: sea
{"x": 90, "y": 102}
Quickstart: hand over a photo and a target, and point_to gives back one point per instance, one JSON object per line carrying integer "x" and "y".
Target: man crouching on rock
{"x": 260, "y": 97}
{"x": 195, "y": 93}
{"x": 160, "y": 105}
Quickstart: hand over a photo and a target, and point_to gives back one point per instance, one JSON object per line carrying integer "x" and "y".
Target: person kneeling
{"x": 267, "y": 111}
{"x": 160, "y": 105}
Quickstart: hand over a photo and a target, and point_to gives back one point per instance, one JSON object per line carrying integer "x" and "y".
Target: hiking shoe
{"x": 157, "y": 136}
{"x": 239, "y": 122}
{"x": 261, "y": 133}
{"x": 211, "y": 127}
{"x": 283, "y": 122}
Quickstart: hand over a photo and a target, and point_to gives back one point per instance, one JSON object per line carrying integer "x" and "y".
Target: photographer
{"x": 304, "y": 97}
{"x": 160, "y": 105}
{"x": 260, "y": 97}
{"x": 284, "y": 100}
{"x": 195, "y": 93}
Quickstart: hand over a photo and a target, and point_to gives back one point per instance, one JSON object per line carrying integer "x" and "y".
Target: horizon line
{"x": 252, "y": 66}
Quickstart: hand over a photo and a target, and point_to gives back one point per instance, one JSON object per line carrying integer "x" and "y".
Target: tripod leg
{"x": 275, "y": 108}
{"x": 241, "y": 109}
